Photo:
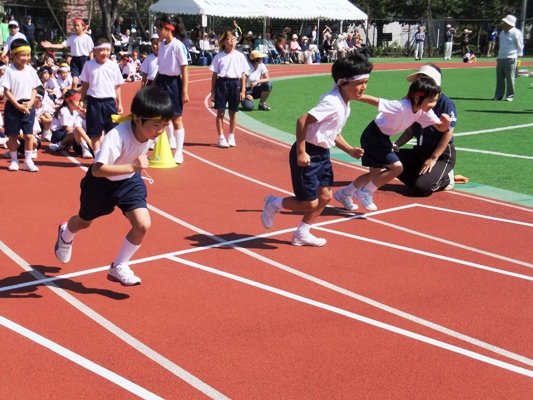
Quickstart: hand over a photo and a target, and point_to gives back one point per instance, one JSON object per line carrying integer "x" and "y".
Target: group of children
{"x": 114, "y": 180}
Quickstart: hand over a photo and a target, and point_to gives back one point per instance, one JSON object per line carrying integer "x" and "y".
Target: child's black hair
{"x": 423, "y": 87}
{"x": 179, "y": 27}
{"x": 40, "y": 90}
{"x": 152, "y": 102}
{"x": 355, "y": 64}
{"x": 68, "y": 93}
{"x": 15, "y": 44}
{"x": 101, "y": 40}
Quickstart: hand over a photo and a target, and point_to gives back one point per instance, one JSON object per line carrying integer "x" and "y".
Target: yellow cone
{"x": 162, "y": 154}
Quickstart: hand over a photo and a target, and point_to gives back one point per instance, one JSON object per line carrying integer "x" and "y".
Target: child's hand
{"x": 120, "y": 110}
{"x": 304, "y": 160}
{"x": 445, "y": 119}
{"x": 141, "y": 163}
{"x": 23, "y": 107}
{"x": 185, "y": 97}
{"x": 357, "y": 152}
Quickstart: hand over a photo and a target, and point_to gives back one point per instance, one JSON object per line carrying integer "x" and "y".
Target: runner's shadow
{"x": 244, "y": 241}
{"x": 199, "y": 144}
{"x": 67, "y": 284}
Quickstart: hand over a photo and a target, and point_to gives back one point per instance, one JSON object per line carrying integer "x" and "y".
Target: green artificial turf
{"x": 471, "y": 89}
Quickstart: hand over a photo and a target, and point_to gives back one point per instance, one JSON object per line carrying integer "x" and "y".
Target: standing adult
{"x": 492, "y": 37}
{"x": 448, "y": 44}
{"x": 117, "y": 34}
{"x": 28, "y": 29}
{"x": 428, "y": 166}
{"x": 420, "y": 37}
{"x": 465, "y": 39}
{"x": 511, "y": 47}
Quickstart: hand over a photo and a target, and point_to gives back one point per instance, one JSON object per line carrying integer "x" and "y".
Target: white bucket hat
{"x": 510, "y": 20}
{"x": 427, "y": 70}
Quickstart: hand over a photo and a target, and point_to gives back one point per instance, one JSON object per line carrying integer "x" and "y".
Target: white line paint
{"x": 505, "y": 128}
{"x": 494, "y": 153}
{"x": 77, "y": 359}
{"x": 360, "y": 318}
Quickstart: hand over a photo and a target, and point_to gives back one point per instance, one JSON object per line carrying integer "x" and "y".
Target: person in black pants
{"x": 28, "y": 29}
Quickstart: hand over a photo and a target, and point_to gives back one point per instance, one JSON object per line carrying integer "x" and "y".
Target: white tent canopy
{"x": 284, "y": 9}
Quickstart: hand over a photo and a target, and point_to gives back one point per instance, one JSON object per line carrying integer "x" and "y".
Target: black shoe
{"x": 263, "y": 107}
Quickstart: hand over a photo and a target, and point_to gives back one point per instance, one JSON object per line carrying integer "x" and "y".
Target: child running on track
{"x": 316, "y": 132}
{"x": 394, "y": 117}
{"x": 114, "y": 180}
{"x": 173, "y": 76}
{"x": 228, "y": 85}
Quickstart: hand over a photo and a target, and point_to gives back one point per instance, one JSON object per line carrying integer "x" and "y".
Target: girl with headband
{"x": 81, "y": 48}
{"x": 20, "y": 83}
{"x": 173, "y": 76}
{"x": 380, "y": 154}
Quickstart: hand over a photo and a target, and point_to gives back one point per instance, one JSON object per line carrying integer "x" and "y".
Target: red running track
{"x": 426, "y": 298}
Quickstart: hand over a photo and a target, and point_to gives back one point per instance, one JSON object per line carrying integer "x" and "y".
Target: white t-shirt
{"x": 397, "y": 115}
{"x": 253, "y": 75}
{"x": 150, "y": 66}
{"x": 120, "y": 147}
{"x": 10, "y": 38}
{"x": 331, "y": 115}
{"x": 65, "y": 118}
{"x": 229, "y": 65}
{"x": 171, "y": 57}
{"x": 129, "y": 69}
{"x": 102, "y": 78}
{"x": 52, "y": 84}
{"x": 21, "y": 82}
{"x": 64, "y": 83}
{"x": 80, "y": 45}
{"x": 80, "y": 122}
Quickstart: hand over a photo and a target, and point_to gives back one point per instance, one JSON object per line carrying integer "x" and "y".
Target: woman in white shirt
{"x": 258, "y": 85}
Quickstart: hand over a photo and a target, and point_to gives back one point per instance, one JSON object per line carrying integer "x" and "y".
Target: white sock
{"x": 170, "y": 131}
{"x": 303, "y": 227}
{"x": 27, "y": 155}
{"x": 349, "y": 190}
{"x": 370, "y": 187}
{"x": 127, "y": 251}
{"x": 67, "y": 236}
{"x": 14, "y": 156}
{"x": 278, "y": 203}
{"x": 180, "y": 138}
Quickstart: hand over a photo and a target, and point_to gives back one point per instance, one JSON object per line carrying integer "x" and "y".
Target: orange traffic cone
{"x": 162, "y": 154}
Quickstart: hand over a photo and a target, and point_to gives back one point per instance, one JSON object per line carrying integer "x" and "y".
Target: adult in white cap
{"x": 420, "y": 38}
{"x": 448, "y": 44}
{"x": 428, "y": 166}
{"x": 258, "y": 85}
{"x": 465, "y": 39}
{"x": 13, "y": 34}
{"x": 511, "y": 47}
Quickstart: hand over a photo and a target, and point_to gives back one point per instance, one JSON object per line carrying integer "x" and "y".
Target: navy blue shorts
{"x": 227, "y": 90}
{"x": 99, "y": 112}
{"x": 307, "y": 180}
{"x": 76, "y": 65}
{"x": 100, "y": 196}
{"x": 58, "y": 135}
{"x": 377, "y": 147}
{"x": 173, "y": 85}
{"x": 15, "y": 120}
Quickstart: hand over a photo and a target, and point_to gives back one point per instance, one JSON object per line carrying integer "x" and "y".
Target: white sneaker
{"x": 56, "y": 146}
{"x": 365, "y": 198}
{"x": 30, "y": 166}
{"x": 3, "y": 140}
{"x": 86, "y": 153}
{"x": 172, "y": 142}
{"x": 63, "y": 250}
{"x": 269, "y": 212}
{"x": 345, "y": 200}
{"x": 178, "y": 158}
{"x": 47, "y": 137}
{"x": 307, "y": 239}
{"x": 232, "y": 142}
{"x": 34, "y": 153}
{"x": 122, "y": 273}
{"x": 452, "y": 181}
{"x": 13, "y": 165}
{"x": 510, "y": 98}
{"x": 222, "y": 142}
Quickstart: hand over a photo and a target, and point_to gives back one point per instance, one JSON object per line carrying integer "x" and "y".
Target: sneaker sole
{"x": 113, "y": 279}
{"x": 57, "y": 241}
{"x": 308, "y": 245}
{"x": 355, "y": 207}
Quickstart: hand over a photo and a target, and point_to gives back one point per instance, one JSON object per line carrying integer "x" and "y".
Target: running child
{"x": 81, "y": 47}
{"x": 173, "y": 76}
{"x": 100, "y": 91}
{"x": 114, "y": 180}
{"x": 228, "y": 85}
{"x": 316, "y": 132}
{"x": 20, "y": 83}
{"x": 394, "y": 117}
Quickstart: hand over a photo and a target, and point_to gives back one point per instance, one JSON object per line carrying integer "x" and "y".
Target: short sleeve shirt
{"x": 150, "y": 67}
{"x": 397, "y": 115}
{"x": 80, "y": 45}
{"x": 254, "y": 75}
{"x": 65, "y": 118}
{"x": 171, "y": 57}
{"x": 102, "y": 78}
{"x": 21, "y": 82}
{"x": 229, "y": 65}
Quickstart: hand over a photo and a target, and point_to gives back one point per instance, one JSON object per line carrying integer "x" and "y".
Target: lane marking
{"x": 505, "y": 128}
{"x": 494, "y": 153}
{"x": 80, "y": 360}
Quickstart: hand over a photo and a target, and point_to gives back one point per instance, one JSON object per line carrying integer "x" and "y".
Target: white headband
{"x": 353, "y": 78}
{"x": 103, "y": 46}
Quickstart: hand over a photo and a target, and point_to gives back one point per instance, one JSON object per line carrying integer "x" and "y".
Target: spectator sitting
{"x": 258, "y": 85}
{"x": 329, "y": 48}
{"x": 295, "y": 49}
{"x": 340, "y": 46}
{"x": 206, "y": 49}
{"x": 191, "y": 48}
{"x": 470, "y": 57}
{"x": 281, "y": 47}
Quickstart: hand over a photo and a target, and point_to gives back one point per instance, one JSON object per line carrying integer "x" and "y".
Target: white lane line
{"x": 77, "y": 359}
{"x": 118, "y": 332}
{"x": 505, "y": 128}
{"x": 505, "y": 220}
{"x": 360, "y": 318}
{"x": 492, "y": 201}
{"x": 494, "y": 153}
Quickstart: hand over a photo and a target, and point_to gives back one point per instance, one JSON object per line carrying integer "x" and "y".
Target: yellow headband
{"x": 119, "y": 119}
{"x": 21, "y": 48}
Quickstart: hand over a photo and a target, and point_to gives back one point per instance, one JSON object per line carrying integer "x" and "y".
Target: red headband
{"x": 420, "y": 94}
{"x": 169, "y": 27}
{"x": 74, "y": 97}
{"x": 79, "y": 20}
